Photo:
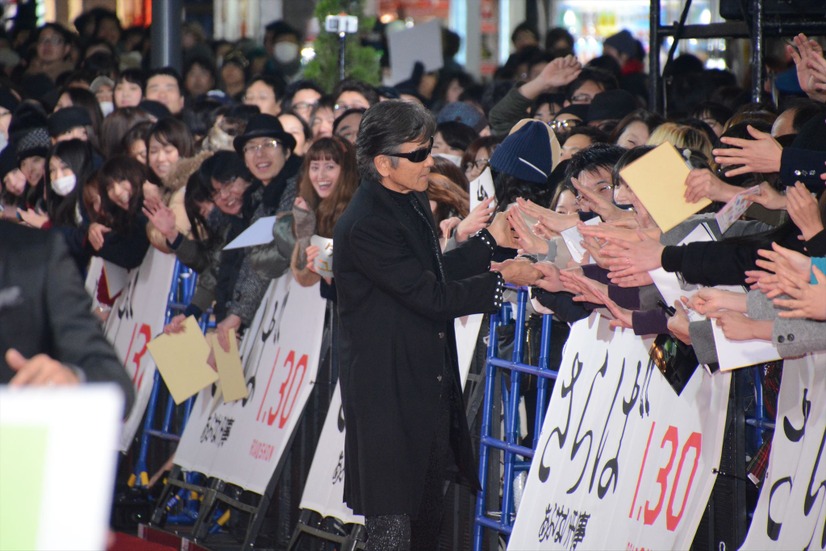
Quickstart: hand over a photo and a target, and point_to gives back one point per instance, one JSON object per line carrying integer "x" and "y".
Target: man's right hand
{"x": 518, "y": 272}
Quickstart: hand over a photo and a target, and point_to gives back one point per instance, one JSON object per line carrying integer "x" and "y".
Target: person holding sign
{"x": 397, "y": 298}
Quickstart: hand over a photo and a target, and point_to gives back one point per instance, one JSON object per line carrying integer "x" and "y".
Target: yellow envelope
{"x": 658, "y": 180}
{"x": 230, "y": 372}
{"x": 182, "y": 361}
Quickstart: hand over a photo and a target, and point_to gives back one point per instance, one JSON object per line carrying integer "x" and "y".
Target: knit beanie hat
{"x": 611, "y": 105}
{"x": 459, "y": 111}
{"x": 65, "y": 119}
{"x": 530, "y": 152}
{"x": 623, "y": 42}
{"x": 34, "y": 143}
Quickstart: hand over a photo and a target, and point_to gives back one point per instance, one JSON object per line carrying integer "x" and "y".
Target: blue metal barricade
{"x": 510, "y": 446}
{"x": 181, "y": 290}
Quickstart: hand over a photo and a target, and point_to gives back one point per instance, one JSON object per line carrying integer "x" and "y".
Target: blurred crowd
{"x": 119, "y": 157}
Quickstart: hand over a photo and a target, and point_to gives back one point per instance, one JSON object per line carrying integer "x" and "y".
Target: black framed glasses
{"x": 417, "y": 156}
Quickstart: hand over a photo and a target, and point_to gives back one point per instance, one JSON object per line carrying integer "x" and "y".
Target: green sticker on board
{"x": 22, "y": 462}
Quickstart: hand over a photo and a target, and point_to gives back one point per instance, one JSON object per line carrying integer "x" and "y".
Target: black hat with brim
{"x": 263, "y": 126}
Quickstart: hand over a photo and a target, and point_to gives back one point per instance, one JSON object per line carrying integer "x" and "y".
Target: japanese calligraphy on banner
{"x": 324, "y": 490}
{"x": 137, "y": 316}
{"x": 622, "y": 461}
{"x": 791, "y": 511}
{"x": 241, "y": 442}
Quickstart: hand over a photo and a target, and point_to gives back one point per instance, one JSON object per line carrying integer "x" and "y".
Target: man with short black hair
{"x": 165, "y": 86}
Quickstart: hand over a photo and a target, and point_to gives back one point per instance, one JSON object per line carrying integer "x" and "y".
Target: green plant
{"x": 360, "y": 62}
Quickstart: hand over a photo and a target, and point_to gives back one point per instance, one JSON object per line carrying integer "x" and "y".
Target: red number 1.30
{"x": 651, "y": 513}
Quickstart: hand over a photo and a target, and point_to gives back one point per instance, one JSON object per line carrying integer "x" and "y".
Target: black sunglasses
{"x": 416, "y": 156}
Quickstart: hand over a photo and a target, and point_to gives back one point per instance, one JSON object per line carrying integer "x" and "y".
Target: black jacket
{"x": 396, "y": 344}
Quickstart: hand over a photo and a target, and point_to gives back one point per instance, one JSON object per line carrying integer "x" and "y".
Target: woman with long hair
{"x": 329, "y": 179}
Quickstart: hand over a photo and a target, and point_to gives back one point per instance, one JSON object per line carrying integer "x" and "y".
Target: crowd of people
{"x": 118, "y": 158}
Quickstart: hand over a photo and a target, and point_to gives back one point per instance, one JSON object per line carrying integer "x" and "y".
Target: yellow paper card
{"x": 658, "y": 180}
{"x": 182, "y": 361}
{"x": 230, "y": 371}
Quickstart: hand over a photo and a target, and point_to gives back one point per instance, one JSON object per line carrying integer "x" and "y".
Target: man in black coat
{"x": 406, "y": 433}
{"x": 48, "y": 334}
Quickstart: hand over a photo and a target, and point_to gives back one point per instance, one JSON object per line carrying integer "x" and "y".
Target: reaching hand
{"x": 701, "y": 182}
{"x": 808, "y": 59}
{"x": 501, "y": 231}
{"x": 556, "y": 74}
{"x": 476, "y": 220}
{"x": 312, "y": 252}
{"x": 232, "y": 321}
{"x": 806, "y": 300}
{"x": 590, "y": 200}
{"x": 550, "y": 277}
{"x": 518, "y": 272}
{"x": 175, "y": 325}
{"x": 525, "y": 238}
{"x": 768, "y": 197}
{"x": 162, "y": 217}
{"x": 33, "y": 217}
{"x": 678, "y": 324}
{"x": 738, "y": 327}
{"x": 762, "y": 154}
{"x": 629, "y": 257}
{"x": 96, "y": 235}
{"x": 784, "y": 262}
{"x": 709, "y": 299}
{"x": 804, "y": 210}
{"x": 552, "y": 221}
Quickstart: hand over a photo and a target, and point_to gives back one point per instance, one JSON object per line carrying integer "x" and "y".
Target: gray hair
{"x": 385, "y": 127}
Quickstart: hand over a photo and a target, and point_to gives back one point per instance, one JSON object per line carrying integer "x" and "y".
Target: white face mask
{"x": 64, "y": 185}
{"x": 285, "y": 52}
{"x": 106, "y": 107}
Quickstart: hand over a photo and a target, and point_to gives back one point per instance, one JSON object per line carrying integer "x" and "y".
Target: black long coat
{"x": 396, "y": 337}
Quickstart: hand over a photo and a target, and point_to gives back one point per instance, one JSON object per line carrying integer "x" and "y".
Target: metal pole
{"x": 757, "y": 51}
{"x": 342, "y": 43}
{"x": 166, "y": 33}
{"x": 654, "y": 78}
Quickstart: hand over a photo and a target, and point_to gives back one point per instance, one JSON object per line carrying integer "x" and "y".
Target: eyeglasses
{"x": 53, "y": 40}
{"x": 598, "y": 190}
{"x": 416, "y": 156}
{"x": 478, "y": 164}
{"x": 342, "y": 107}
{"x": 270, "y": 145}
{"x": 304, "y": 106}
{"x": 565, "y": 124}
{"x": 259, "y": 98}
{"x": 582, "y": 98}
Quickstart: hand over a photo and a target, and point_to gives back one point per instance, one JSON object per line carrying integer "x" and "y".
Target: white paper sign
{"x": 622, "y": 462}
{"x": 58, "y": 450}
{"x": 734, "y": 354}
{"x": 573, "y": 240}
{"x": 323, "y": 263}
{"x": 481, "y": 188}
{"x": 422, "y": 42}
{"x": 241, "y": 442}
{"x": 259, "y": 233}
{"x": 791, "y": 511}
{"x": 136, "y": 318}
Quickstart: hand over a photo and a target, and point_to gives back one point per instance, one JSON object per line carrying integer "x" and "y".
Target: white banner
{"x": 622, "y": 461}
{"x": 136, "y": 318}
{"x": 791, "y": 511}
{"x": 241, "y": 442}
{"x": 324, "y": 490}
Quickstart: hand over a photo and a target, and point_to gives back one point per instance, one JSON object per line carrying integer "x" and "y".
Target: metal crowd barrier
{"x": 516, "y": 457}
